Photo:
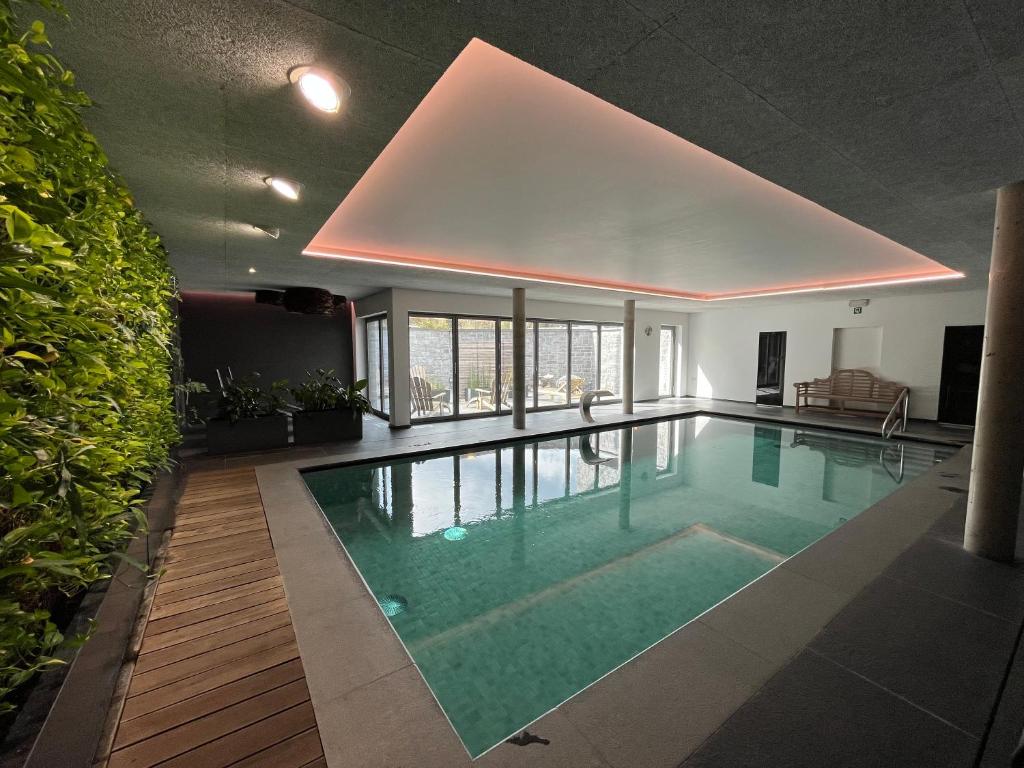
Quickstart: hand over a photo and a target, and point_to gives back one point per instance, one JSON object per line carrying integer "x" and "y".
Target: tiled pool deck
{"x": 882, "y": 644}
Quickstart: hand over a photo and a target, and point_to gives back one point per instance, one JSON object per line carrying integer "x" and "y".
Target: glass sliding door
{"x": 373, "y": 363}
{"x": 385, "y": 363}
{"x": 481, "y": 386}
{"x": 531, "y": 362}
{"x": 611, "y": 358}
{"x": 667, "y": 362}
{"x": 378, "y": 389}
{"x": 431, "y": 367}
{"x": 552, "y": 364}
{"x": 585, "y": 359}
{"x": 461, "y": 366}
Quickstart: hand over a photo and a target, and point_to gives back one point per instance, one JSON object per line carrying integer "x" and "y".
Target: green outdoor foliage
{"x": 243, "y": 399}
{"x": 324, "y": 391}
{"x": 85, "y": 353}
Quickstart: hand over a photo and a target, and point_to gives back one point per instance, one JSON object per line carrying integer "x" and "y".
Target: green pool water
{"x": 518, "y": 575}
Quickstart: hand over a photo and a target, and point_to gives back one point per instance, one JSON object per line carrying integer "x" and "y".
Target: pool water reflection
{"x": 518, "y": 575}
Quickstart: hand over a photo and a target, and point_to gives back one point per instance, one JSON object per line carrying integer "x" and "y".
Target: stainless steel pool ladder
{"x": 898, "y": 419}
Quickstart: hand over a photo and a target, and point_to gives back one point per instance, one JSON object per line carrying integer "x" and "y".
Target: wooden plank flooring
{"x": 218, "y": 681}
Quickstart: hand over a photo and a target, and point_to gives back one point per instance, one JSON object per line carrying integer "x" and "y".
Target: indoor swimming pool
{"x": 516, "y": 575}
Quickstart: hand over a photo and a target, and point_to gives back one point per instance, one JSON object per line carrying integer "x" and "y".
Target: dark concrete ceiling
{"x": 900, "y": 116}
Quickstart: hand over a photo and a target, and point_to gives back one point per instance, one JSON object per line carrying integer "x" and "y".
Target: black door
{"x": 771, "y": 367}
{"x": 961, "y": 369}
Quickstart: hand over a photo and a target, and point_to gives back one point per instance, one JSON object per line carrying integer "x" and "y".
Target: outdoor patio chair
{"x": 494, "y": 395}
{"x": 424, "y": 401}
{"x": 577, "y": 386}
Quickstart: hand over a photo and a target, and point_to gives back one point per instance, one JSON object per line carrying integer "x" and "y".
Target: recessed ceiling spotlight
{"x": 252, "y": 270}
{"x": 284, "y": 187}
{"x": 320, "y": 88}
{"x": 273, "y": 232}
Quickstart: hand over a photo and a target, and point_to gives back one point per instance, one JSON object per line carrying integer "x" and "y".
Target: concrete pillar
{"x": 519, "y": 358}
{"x": 628, "y": 347}
{"x": 993, "y": 503}
{"x": 398, "y": 367}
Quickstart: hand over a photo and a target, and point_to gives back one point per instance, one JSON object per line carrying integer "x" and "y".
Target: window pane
{"x": 431, "y": 367}
{"x": 479, "y": 390}
{"x": 667, "y": 362}
{"x": 553, "y": 364}
{"x": 611, "y": 358}
{"x": 584, "y": 359}
{"x": 385, "y": 379}
{"x": 373, "y": 363}
{"x": 506, "y": 360}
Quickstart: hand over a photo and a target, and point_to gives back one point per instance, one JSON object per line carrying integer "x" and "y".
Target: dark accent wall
{"x": 230, "y": 329}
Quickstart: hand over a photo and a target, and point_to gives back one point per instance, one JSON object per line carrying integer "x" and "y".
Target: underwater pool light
{"x": 456, "y": 533}
{"x": 392, "y": 605}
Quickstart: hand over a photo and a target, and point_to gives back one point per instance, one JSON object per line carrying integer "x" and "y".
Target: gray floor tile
{"x": 567, "y": 748}
{"x": 815, "y": 715}
{"x": 1009, "y": 720}
{"x": 777, "y": 615}
{"x": 947, "y": 569}
{"x": 942, "y": 656}
{"x": 950, "y": 527}
{"x": 689, "y": 684}
{"x": 392, "y": 723}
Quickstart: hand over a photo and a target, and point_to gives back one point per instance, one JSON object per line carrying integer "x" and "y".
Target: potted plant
{"x": 250, "y": 419}
{"x": 189, "y": 416}
{"x": 328, "y": 410}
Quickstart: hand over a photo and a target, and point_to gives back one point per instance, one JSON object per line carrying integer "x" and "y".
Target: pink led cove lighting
{"x": 471, "y": 269}
{"x": 505, "y": 171}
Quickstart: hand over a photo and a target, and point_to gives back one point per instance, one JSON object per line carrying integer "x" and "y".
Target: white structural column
{"x": 628, "y": 353}
{"x": 398, "y": 367}
{"x": 993, "y": 504}
{"x": 519, "y": 358}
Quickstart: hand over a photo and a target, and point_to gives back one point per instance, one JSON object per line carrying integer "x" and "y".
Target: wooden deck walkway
{"x": 218, "y": 681}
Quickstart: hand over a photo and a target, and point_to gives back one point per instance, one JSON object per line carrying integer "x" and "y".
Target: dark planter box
{"x": 327, "y": 426}
{"x": 258, "y": 434}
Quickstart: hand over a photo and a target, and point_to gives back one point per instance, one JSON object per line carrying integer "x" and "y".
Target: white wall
{"x": 857, "y": 348}
{"x": 723, "y": 343}
{"x": 399, "y": 302}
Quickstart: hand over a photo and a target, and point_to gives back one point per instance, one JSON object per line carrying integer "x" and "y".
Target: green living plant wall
{"x": 85, "y": 352}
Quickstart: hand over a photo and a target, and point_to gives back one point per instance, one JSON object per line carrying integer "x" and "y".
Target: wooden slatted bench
{"x": 852, "y": 386}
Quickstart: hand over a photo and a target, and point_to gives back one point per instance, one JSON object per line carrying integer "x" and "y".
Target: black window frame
{"x": 454, "y": 317}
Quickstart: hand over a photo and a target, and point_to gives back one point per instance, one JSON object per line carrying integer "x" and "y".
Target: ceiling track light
{"x": 322, "y": 89}
{"x": 273, "y": 232}
{"x": 286, "y": 188}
